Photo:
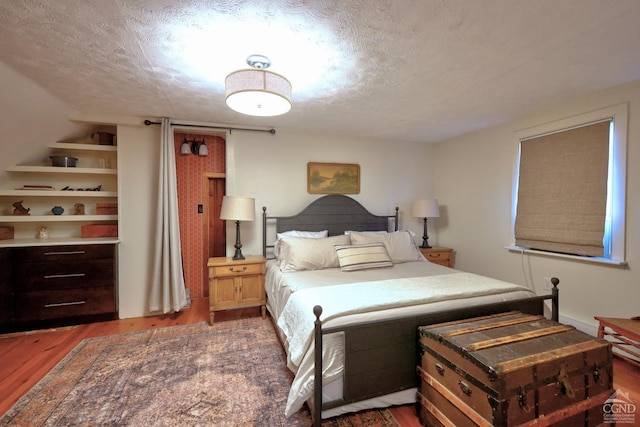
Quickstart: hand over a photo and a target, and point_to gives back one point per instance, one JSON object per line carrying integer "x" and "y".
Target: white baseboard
{"x": 579, "y": 325}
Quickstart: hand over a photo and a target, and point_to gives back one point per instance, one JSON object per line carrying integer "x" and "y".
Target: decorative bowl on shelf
{"x": 64, "y": 161}
{"x": 57, "y": 210}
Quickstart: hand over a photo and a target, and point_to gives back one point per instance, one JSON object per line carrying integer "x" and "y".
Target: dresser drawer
{"x": 65, "y": 303}
{"x": 236, "y": 270}
{"x": 64, "y": 253}
{"x": 64, "y": 274}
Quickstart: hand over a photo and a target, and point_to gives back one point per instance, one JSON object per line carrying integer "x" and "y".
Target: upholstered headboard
{"x": 336, "y": 213}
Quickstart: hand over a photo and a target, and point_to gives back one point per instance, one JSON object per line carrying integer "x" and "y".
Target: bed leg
{"x": 555, "y": 300}
{"x": 317, "y": 369}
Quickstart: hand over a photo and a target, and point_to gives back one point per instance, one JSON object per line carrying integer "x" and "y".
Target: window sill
{"x": 595, "y": 260}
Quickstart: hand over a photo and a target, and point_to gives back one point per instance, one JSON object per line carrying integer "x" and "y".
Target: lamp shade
{"x": 425, "y": 208}
{"x": 185, "y": 148}
{"x": 258, "y": 92}
{"x": 238, "y": 208}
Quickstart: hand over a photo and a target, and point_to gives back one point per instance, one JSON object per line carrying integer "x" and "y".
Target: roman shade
{"x": 562, "y": 190}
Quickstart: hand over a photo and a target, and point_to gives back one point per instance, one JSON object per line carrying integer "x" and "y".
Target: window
{"x": 570, "y": 187}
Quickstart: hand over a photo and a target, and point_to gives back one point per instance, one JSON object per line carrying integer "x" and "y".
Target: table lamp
{"x": 238, "y": 209}
{"x": 425, "y": 208}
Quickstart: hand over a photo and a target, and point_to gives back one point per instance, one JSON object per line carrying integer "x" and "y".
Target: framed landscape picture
{"x": 333, "y": 178}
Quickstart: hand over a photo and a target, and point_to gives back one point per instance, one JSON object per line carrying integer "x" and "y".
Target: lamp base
{"x": 238, "y": 255}
{"x": 425, "y": 237}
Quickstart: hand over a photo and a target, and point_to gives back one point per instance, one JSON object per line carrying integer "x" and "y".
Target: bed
{"x": 347, "y": 281}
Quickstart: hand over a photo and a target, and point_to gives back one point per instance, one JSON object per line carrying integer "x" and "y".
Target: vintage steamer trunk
{"x": 512, "y": 369}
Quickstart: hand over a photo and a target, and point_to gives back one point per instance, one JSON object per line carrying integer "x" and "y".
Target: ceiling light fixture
{"x": 256, "y": 91}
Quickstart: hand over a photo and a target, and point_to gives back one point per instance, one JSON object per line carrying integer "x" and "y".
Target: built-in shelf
{"x": 49, "y": 193}
{"x": 40, "y": 186}
{"x": 56, "y": 169}
{"x": 82, "y": 147}
{"x": 56, "y": 241}
{"x": 56, "y": 218}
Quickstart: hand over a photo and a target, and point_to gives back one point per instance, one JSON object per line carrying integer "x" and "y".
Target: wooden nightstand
{"x": 439, "y": 255}
{"x": 236, "y": 284}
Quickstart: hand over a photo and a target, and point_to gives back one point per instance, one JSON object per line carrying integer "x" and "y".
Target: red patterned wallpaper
{"x": 190, "y": 170}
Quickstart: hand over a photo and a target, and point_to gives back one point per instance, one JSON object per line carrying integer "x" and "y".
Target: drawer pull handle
{"x": 440, "y": 369}
{"x": 62, "y": 304}
{"x": 434, "y": 255}
{"x": 237, "y": 271}
{"x": 58, "y": 276}
{"x": 465, "y": 388}
{"x": 66, "y": 253}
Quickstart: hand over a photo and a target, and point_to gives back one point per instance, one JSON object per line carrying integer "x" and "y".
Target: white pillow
{"x": 298, "y": 233}
{"x": 303, "y": 253}
{"x": 399, "y": 245}
{"x": 362, "y": 257}
{"x": 309, "y": 234}
{"x": 374, "y": 232}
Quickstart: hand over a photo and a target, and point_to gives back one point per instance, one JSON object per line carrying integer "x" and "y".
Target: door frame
{"x": 206, "y": 177}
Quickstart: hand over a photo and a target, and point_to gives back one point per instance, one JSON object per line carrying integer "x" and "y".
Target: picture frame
{"x": 333, "y": 178}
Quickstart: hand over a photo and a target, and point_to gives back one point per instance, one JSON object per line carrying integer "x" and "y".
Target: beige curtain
{"x": 562, "y": 190}
{"x": 167, "y": 293}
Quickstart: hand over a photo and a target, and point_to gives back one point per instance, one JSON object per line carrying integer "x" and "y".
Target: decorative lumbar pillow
{"x": 362, "y": 257}
{"x": 399, "y": 245}
{"x": 303, "y": 253}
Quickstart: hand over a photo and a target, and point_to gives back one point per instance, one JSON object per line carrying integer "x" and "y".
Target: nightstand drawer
{"x": 438, "y": 255}
{"x": 236, "y": 270}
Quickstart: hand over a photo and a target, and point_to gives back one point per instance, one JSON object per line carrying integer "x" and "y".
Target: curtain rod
{"x": 271, "y": 131}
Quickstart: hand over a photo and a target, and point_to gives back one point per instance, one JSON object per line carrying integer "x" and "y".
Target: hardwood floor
{"x": 27, "y": 356}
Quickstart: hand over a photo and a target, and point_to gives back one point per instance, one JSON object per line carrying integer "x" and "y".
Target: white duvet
{"x": 404, "y": 289}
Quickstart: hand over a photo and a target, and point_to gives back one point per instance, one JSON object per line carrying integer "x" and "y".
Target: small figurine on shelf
{"x": 78, "y": 209}
{"x": 19, "y": 209}
{"x": 43, "y": 233}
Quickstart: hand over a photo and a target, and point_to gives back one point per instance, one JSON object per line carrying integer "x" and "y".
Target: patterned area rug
{"x": 230, "y": 374}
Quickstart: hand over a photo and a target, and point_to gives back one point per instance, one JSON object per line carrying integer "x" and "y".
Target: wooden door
{"x": 217, "y": 235}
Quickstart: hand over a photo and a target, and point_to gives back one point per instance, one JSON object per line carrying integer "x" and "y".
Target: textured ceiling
{"x": 405, "y": 70}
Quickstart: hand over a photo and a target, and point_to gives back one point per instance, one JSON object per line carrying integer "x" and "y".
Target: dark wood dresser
{"x": 60, "y": 285}
{"x": 6, "y": 287}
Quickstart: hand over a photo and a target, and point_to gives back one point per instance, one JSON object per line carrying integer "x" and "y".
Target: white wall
{"x": 473, "y": 178}
{"x": 138, "y": 158}
{"x": 30, "y": 118}
{"x": 273, "y": 169}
